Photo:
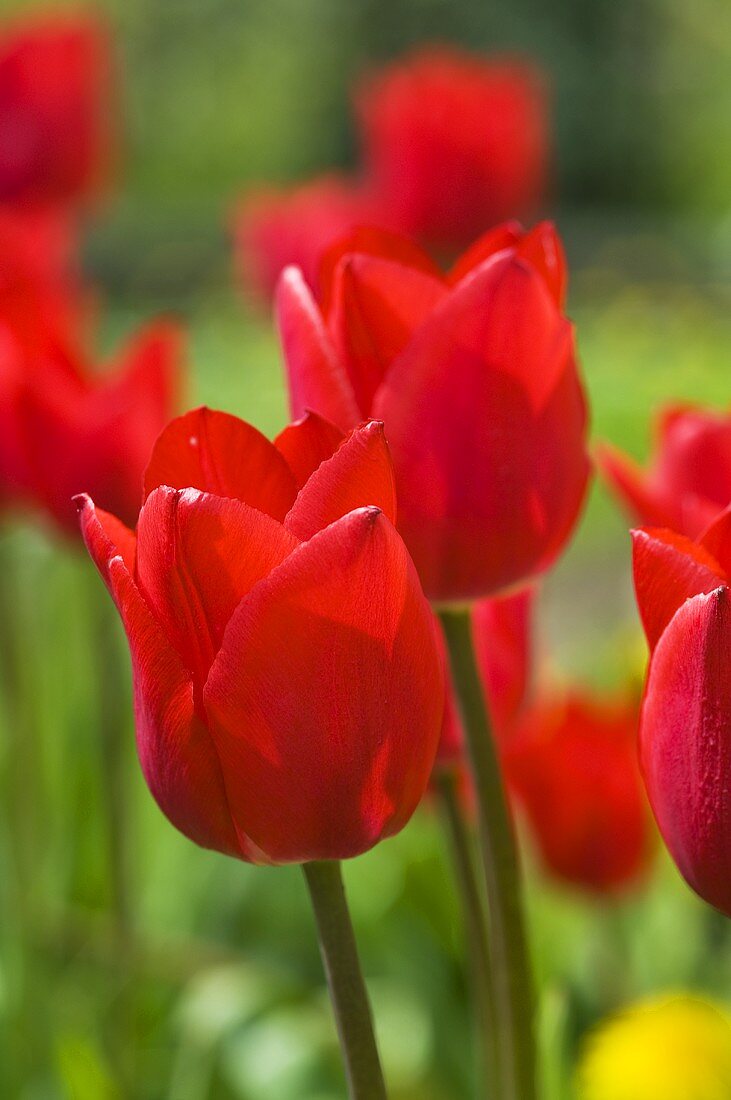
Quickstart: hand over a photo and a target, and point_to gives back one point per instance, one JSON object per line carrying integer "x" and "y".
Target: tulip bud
{"x": 477, "y": 385}
{"x": 288, "y": 686}
{"x": 54, "y": 103}
{"x": 685, "y": 736}
{"x": 452, "y": 142}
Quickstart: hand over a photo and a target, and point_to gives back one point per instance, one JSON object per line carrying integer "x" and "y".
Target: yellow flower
{"x": 666, "y": 1048}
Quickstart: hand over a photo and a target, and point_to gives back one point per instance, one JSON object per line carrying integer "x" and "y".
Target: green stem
{"x": 475, "y": 923}
{"x": 512, "y": 982}
{"x": 113, "y": 730}
{"x": 345, "y": 981}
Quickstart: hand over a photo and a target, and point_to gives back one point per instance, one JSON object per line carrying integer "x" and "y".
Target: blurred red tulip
{"x": 64, "y": 429}
{"x": 39, "y": 281}
{"x": 287, "y": 681}
{"x": 453, "y": 143}
{"x": 275, "y": 228}
{"x": 689, "y": 478}
{"x": 685, "y": 735}
{"x": 478, "y": 388}
{"x": 54, "y": 106}
{"x": 571, "y": 765}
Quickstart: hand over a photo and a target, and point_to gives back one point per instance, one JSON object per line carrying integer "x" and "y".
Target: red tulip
{"x": 685, "y": 736}
{"x": 64, "y": 428}
{"x": 275, "y": 228}
{"x": 572, "y": 768}
{"x": 287, "y": 682}
{"x": 54, "y": 105}
{"x": 39, "y": 282}
{"x": 478, "y": 388}
{"x": 689, "y": 478}
{"x": 453, "y": 143}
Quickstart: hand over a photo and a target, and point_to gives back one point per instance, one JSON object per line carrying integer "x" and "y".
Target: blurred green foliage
{"x": 221, "y": 996}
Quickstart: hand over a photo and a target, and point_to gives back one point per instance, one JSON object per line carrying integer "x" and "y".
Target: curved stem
{"x": 512, "y": 984}
{"x": 475, "y": 921}
{"x": 345, "y": 981}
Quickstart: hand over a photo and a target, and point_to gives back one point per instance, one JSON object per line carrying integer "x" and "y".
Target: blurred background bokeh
{"x": 218, "y": 95}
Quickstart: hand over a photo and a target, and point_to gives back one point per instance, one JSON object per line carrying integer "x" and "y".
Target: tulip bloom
{"x": 571, "y": 766}
{"x": 54, "y": 106}
{"x": 453, "y": 143}
{"x": 474, "y": 376}
{"x": 675, "y": 1047}
{"x": 273, "y": 229}
{"x": 688, "y": 481}
{"x": 684, "y": 599}
{"x": 288, "y": 687}
{"x": 64, "y": 428}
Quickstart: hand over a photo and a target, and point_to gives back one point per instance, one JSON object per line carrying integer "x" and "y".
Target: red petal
{"x": 377, "y": 305}
{"x": 360, "y": 473}
{"x": 197, "y": 556}
{"x": 502, "y": 632}
{"x": 367, "y": 240}
{"x": 685, "y": 743}
{"x": 631, "y": 485}
{"x": 716, "y": 539}
{"x": 486, "y": 422}
{"x": 489, "y": 244}
{"x": 668, "y": 569}
{"x": 218, "y": 453}
{"x": 306, "y": 443}
{"x": 326, "y": 698}
{"x": 543, "y": 248}
{"x": 176, "y": 752}
{"x": 316, "y": 379}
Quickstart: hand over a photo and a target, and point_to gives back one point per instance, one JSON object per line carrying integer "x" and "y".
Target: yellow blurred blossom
{"x": 675, "y": 1047}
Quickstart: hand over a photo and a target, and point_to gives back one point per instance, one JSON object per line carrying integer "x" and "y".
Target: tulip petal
{"x": 630, "y": 484}
{"x": 177, "y": 755}
{"x": 360, "y": 473}
{"x": 326, "y": 697}
{"x": 317, "y": 380}
{"x": 685, "y": 743}
{"x": 716, "y": 539}
{"x": 669, "y": 569}
{"x": 542, "y": 247}
{"x": 218, "y": 453}
{"x": 377, "y": 305}
{"x": 197, "y": 556}
{"x": 306, "y": 443}
{"x": 368, "y": 240}
{"x": 489, "y": 244}
{"x": 486, "y": 424}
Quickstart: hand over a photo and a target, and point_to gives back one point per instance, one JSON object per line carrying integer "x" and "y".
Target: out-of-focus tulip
{"x": 571, "y": 765}
{"x": 502, "y": 629}
{"x": 39, "y": 281}
{"x": 685, "y": 736}
{"x": 453, "y": 143}
{"x": 476, "y": 381}
{"x": 688, "y": 480}
{"x": 65, "y": 428}
{"x": 673, "y": 1047}
{"x": 54, "y": 106}
{"x": 275, "y": 228}
{"x": 288, "y": 685}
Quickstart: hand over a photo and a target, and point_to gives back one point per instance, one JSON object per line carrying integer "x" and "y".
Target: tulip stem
{"x": 345, "y": 981}
{"x": 511, "y": 977}
{"x": 475, "y": 923}
{"x": 113, "y": 730}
